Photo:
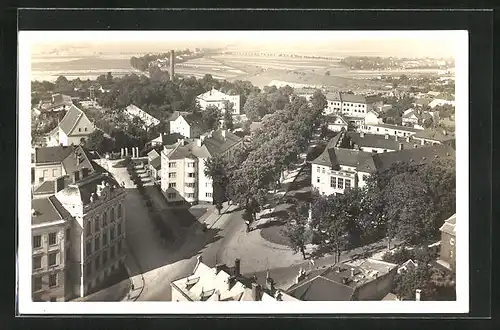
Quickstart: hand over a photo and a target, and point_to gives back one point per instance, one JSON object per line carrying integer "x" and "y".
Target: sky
{"x": 326, "y": 43}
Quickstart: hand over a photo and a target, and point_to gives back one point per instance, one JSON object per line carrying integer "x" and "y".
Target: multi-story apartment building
{"x": 340, "y": 167}
{"x": 73, "y": 129}
{"x": 183, "y": 176}
{"x": 51, "y": 244}
{"x": 96, "y": 202}
{"x": 219, "y": 100}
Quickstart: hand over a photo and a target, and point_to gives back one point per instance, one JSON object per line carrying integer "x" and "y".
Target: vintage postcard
{"x": 307, "y": 171}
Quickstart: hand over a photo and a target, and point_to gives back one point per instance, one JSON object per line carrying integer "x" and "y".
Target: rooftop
{"x": 379, "y": 141}
{"x": 435, "y": 135}
{"x": 396, "y": 127}
{"x": 449, "y": 225}
{"x": 52, "y": 154}
{"x": 70, "y": 119}
{"x": 220, "y": 141}
{"x": 82, "y": 190}
{"x": 47, "y": 210}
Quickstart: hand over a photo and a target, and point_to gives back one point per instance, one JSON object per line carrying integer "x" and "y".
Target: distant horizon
{"x": 411, "y": 44}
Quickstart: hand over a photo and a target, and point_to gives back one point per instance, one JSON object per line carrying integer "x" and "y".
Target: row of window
{"x": 98, "y": 262}
{"x": 174, "y": 185}
{"x": 174, "y": 165}
{"x": 173, "y": 175}
{"x": 80, "y": 129}
{"x": 51, "y": 260}
{"x": 55, "y": 173}
{"x": 340, "y": 183}
{"x": 38, "y": 282}
{"x": 52, "y": 238}
{"x": 98, "y": 225}
{"x": 97, "y": 240}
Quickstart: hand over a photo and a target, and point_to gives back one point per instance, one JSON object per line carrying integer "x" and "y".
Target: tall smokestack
{"x": 172, "y": 64}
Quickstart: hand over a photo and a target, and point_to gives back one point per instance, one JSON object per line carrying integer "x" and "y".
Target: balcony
{"x": 188, "y": 189}
{"x": 190, "y": 179}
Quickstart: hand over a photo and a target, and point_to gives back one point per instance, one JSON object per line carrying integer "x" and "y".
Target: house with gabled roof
{"x": 219, "y": 100}
{"x": 189, "y": 125}
{"x": 336, "y": 123}
{"x": 340, "y": 166}
{"x": 74, "y": 129}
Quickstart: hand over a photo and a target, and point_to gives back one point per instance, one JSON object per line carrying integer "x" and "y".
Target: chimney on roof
{"x": 223, "y": 134}
{"x": 218, "y": 268}
{"x": 387, "y": 136}
{"x": 59, "y": 184}
{"x": 352, "y": 272}
{"x": 237, "y": 267}
{"x": 408, "y": 138}
{"x": 417, "y": 294}
{"x": 361, "y": 134}
{"x": 85, "y": 172}
{"x": 255, "y": 292}
{"x": 422, "y": 142}
{"x": 34, "y": 213}
{"x": 395, "y": 137}
{"x": 76, "y": 176}
{"x": 400, "y": 146}
{"x": 345, "y": 280}
{"x": 217, "y": 295}
{"x": 230, "y": 282}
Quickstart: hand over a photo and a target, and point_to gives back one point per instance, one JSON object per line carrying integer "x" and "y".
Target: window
{"x": 79, "y": 129}
{"x": 172, "y": 185}
{"x": 52, "y": 259}
{"x": 451, "y": 253}
{"x": 68, "y": 255}
{"x": 385, "y": 150}
{"x": 171, "y": 195}
{"x": 45, "y": 173}
{"x": 85, "y": 129}
{"x": 365, "y": 177}
{"x": 347, "y": 183}
{"x": 374, "y": 151}
{"x": 37, "y": 283}
{"x": 209, "y": 195}
{"x": 104, "y": 219}
{"x": 54, "y": 172}
{"x": 340, "y": 183}
{"x": 88, "y": 229}
{"x": 112, "y": 253}
{"x": 333, "y": 182}
{"x": 452, "y": 241}
{"x": 52, "y": 238}
{"x": 317, "y": 180}
{"x": 37, "y": 241}
{"x": 119, "y": 229}
{"x": 171, "y": 164}
{"x": 191, "y": 185}
{"x": 172, "y": 175}
{"x": 112, "y": 233}
{"x": 191, "y": 175}
{"x": 190, "y": 164}
{"x": 88, "y": 269}
{"x": 104, "y": 239}
{"x": 88, "y": 248}
{"x": 119, "y": 247}
{"x": 52, "y": 280}
{"x": 97, "y": 243}
{"x": 37, "y": 262}
{"x": 97, "y": 225}
{"x": 120, "y": 210}
{"x": 112, "y": 215}
{"x": 105, "y": 257}
{"x": 319, "y": 169}
{"x": 97, "y": 262}
{"x": 323, "y": 170}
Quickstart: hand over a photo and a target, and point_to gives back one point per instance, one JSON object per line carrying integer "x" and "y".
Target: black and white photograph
{"x": 306, "y": 171}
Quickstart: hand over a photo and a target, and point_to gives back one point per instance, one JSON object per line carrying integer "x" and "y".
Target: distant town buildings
{"x": 219, "y": 100}
{"x": 73, "y": 129}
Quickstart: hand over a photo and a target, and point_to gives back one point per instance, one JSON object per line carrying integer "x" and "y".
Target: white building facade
{"x": 219, "y": 100}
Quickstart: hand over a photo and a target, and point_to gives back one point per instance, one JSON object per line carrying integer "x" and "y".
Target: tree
{"x": 327, "y": 73}
{"x": 211, "y": 117}
{"x": 228, "y": 120}
{"x": 297, "y": 230}
{"x": 216, "y": 168}
{"x": 256, "y": 107}
{"x": 407, "y": 282}
{"x": 97, "y": 141}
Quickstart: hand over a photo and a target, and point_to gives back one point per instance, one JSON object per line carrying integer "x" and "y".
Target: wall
{"x": 324, "y": 176}
{"x": 337, "y": 127}
{"x": 377, "y": 288}
{"x": 53, "y": 172}
{"x": 177, "y": 294}
{"x": 354, "y": 109}
{"x": 204, "y": 183}
{"x": 180, "y": 126}
{"x": 373, "y": 129}
{"x": 61, "y": 291}
{"x": 447, "y": 248}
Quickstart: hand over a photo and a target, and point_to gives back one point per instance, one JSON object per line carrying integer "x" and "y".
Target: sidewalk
{"x": 214, "y": 216}
{"x": 137, "y": 281}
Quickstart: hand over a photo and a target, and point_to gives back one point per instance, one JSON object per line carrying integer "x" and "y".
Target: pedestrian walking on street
{"x": 247, "y": 223}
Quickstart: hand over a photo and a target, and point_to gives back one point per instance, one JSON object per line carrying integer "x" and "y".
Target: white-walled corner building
{"x": 183, "y": 166}
{"x": 354, "y": 109}
{"x": 383, "y": 129}
{"x": 218, "y": 99}
{"x": 341, "y": 166}
{"x": 188, "y": 125}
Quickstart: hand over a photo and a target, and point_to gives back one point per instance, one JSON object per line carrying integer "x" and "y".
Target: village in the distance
{"x": 192, "y": 178}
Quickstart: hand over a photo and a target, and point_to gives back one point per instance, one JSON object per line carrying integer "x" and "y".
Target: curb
{"x": 220, "y": 216}
{"x": 131, "y": 282}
